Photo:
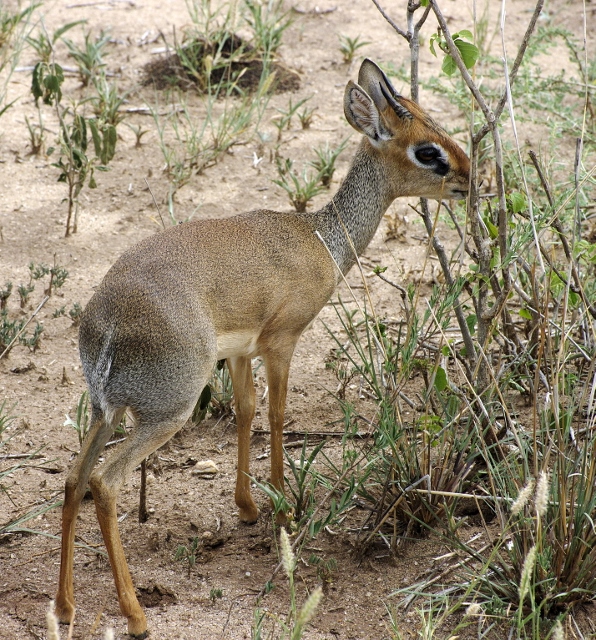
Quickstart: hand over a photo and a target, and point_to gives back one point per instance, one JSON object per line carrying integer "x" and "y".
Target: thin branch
{"x": 401, "y": 32}
{"x": 516, "y": 65}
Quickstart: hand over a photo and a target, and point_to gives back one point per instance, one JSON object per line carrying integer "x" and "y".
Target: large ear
{"x": 363, "y": 114}
{"x": 374, "y": 81}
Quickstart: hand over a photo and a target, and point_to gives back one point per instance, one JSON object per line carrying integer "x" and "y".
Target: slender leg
{"x": 277, "y": 365}
{"x": 105, "y": 484}
{"x": 244, "y": 396}
{"x": 76, "y": 485}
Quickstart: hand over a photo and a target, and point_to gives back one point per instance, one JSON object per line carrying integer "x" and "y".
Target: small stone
{"x": 204, "y": 468}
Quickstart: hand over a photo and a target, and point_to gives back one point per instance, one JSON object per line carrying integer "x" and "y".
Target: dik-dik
{"x": 233, "y": 289}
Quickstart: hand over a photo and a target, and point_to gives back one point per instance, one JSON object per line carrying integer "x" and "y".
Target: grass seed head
{"x": 541, "y": 498}
{"x": 287, "y": 555}
{"x": 522, "y": 498}
{"x": 526, "y": 574}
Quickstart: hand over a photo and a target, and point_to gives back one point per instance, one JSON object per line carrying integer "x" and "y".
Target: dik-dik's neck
{"x": 348, "y": 223}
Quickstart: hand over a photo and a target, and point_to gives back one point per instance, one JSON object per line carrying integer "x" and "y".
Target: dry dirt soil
{"x": 41, "y": 388}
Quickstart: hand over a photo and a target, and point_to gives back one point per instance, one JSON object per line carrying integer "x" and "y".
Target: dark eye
{"x": 427, "y": 154}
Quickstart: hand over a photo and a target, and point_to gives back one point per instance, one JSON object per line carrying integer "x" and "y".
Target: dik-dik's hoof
{"x": 249, "y": 515}
{"x": 138, "y": 629}
{"x": 64, "y": 610}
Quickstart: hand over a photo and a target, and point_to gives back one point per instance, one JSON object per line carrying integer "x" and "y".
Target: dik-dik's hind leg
{"x": 105, "y": 482}
{"x": 244, "y": 397}
{"x": 76, "y": 485}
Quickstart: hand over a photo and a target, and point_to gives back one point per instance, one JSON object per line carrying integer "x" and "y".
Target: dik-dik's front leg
{"x": 244, "y": 397}
{"x": 277, "y": 366}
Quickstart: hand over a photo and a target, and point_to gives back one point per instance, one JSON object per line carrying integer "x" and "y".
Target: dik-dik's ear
{"x": 365, "y": 102}
{"x": 374, "y": 81}
{"x": 363, "y": 114}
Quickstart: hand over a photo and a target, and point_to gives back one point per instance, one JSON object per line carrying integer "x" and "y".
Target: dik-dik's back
{"x": 232, "y": 289}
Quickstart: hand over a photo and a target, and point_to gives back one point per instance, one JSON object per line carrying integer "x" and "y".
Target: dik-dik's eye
{"x": 427, "y": 155}
{"x": 430, "y": 156}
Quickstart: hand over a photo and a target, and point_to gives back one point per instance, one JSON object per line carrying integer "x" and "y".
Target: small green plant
{"x": 80, "y": 423}
{"x": 284, "y": 120}
{"x": 36, "y": 134}
{"x": 43, "y": 43}
{"x": 9, "y": 329}
{"x": 216, "y": 398}
{"x": 306, "y": 117}
{"x": 215, "y": 594}
{"x": 325, "y": 568}
{"x": 33, "y": 341}
{"x": 14, "y": 28}
{"x": 348, "y": 47}
{"x": 14, "y": 331}
{"x": 89, "y": 58}
{"x": 107, "y": 102}
{"x": 188, "y": 553}
{"x": 5, "y": 295}
{"x": 58, "y": 276}
{"x": 75, "y": 314}
{"x": 199, "y": 144}
{"x": 267, "y": 21}
{"x": 139, "y": 133}
{"x": 76, "y": 165}
{"x": 24, "y": 291}
{"x": 298, "y": 503}
{"x": 325, "y": 162}
{"x": 303, "y": 483}
{"x": 300, "y": 189}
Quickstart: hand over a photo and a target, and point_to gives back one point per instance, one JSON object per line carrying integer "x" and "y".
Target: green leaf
{"x": 431, "y": 45}
{"x": 468, "y": 51}
{"x": 95, "y": 136}
{"x": 471, "y": 321}
{"x": 62, "y": 30}
{"x": 440, "y": 379}
{"x": 109, "y": 143}
{"x": 524, "y": 313}
{"x": 464, "y": 33}
{"x": 493, "y": 230}
{"x": 574, "y": 299}
{"x": 449, "y": 67}
{"x": 518, "y": 201}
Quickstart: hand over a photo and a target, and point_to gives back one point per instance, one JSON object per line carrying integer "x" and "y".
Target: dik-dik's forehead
{"x": 420, "y": 128}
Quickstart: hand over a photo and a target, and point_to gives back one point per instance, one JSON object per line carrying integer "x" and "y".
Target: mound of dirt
{"x": 231, "y": 60}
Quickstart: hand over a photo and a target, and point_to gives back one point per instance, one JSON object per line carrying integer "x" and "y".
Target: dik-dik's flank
{"x": 247, "y": 286}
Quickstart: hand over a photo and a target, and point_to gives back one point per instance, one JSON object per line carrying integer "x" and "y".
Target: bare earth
{"x": 41, "y": 388}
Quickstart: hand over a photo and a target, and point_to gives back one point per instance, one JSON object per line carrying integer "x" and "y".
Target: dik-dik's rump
{"x": 233, "y": 289}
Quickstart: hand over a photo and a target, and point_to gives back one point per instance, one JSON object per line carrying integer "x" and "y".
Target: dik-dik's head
{"x": 421, "y": 158}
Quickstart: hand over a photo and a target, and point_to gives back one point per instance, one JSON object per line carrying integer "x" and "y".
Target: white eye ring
{"x": 440, "y": 159}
